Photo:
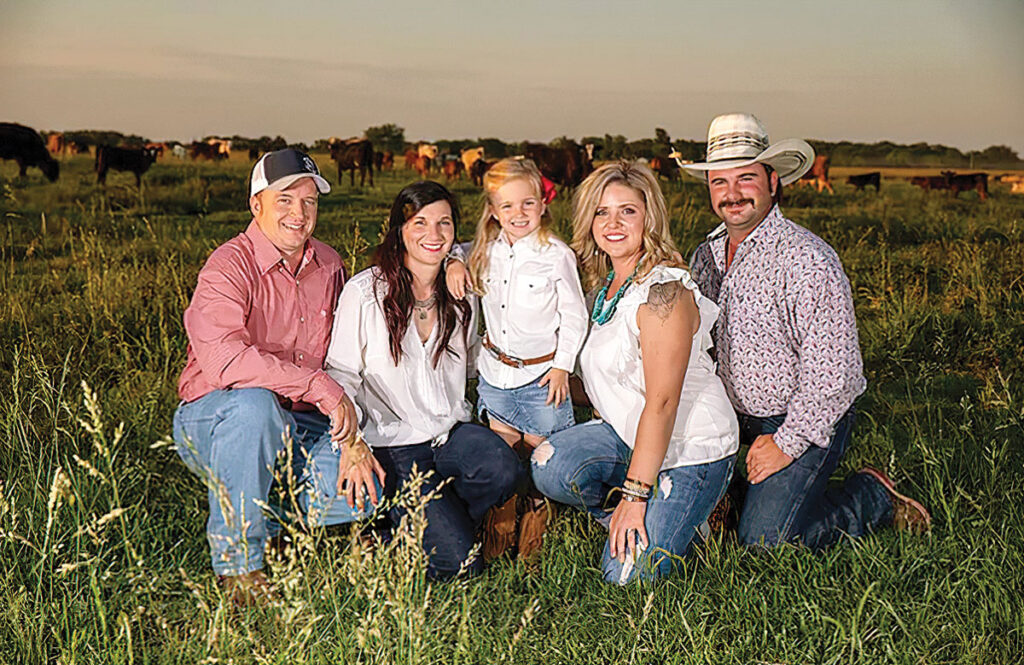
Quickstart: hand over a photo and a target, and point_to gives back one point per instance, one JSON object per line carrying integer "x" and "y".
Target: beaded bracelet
{"x": 634, "y": 498}
{"x": 637, "y": 487}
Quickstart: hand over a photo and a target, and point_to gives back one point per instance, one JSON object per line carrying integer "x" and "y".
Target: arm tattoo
{"x": 662, "y": 298}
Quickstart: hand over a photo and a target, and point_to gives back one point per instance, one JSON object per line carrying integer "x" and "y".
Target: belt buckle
{"x": 517, "y": 363}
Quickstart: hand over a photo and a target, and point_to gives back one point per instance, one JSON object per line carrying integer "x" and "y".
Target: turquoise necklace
{"x": 602, "y": 314}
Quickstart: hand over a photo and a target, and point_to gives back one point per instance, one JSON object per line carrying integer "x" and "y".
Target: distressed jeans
{"x": 579, "y": 466}
{"x": 234, "y": 440}
{"x": 483, "y": 472}
{"x": 796, "y": 504}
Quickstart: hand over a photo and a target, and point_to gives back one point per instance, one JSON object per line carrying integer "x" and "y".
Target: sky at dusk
{"x": 908, "y": 71}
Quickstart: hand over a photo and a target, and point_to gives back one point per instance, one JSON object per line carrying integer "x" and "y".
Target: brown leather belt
{"x": 512, "y": 361}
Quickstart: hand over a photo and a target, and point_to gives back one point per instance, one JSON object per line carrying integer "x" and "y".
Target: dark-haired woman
{"x": 400, "y": 347}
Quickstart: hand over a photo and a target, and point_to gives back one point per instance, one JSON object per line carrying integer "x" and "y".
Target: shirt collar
{"x": 268, "y": 256}
{"x": 767, "y": 229}
{"x": 530, "y": 240}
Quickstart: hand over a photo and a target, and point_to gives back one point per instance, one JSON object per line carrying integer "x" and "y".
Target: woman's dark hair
{"x": 390, "y": 260}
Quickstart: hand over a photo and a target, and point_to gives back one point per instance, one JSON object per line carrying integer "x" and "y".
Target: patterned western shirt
{"x": 786, "y": 339}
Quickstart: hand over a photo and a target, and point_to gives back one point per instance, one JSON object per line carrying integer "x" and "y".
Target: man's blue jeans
{"x": 797, "y": 505}
{"x": 233, "y": 439}
{"x": 581, "y": 465}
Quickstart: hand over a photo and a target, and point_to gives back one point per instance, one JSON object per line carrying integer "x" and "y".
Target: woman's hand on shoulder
{"x": 456, "y": 276}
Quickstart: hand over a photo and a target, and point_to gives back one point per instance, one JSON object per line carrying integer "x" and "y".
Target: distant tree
{"x": 662, "y": 142}
{"x": 386, "y": 137}
{"x": 615, "y": 147}
{"x": 997, "y": 155}
{"x": 495, "y": 148}
{"x": 645, "y": 148}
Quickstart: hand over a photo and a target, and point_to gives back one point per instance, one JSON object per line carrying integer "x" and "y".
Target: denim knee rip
{"x": 542, "y": 454}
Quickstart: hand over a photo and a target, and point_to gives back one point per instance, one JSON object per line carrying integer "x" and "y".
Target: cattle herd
{"x": 566, "y": 164}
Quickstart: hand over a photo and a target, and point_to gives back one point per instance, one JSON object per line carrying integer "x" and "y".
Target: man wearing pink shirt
{"x": 258, "y": 328}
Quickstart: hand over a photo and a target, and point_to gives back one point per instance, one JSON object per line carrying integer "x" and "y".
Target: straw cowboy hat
{"x": 739, "y": 139}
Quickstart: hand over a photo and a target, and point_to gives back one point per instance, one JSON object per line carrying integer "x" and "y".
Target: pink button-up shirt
{"x": 253, "y": 324}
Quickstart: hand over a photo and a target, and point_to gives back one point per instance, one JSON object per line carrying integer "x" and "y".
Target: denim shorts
{"x": 523, "y": 408}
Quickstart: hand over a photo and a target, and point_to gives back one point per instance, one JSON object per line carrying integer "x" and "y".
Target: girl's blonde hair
{"x": 657, "y": 237}
{"x": 487, "y": 229}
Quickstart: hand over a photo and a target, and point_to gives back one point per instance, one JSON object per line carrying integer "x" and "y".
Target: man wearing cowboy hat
{"x": 787, "y": 348}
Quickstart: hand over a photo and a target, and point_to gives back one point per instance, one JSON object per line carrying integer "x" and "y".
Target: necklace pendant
{"x": 423, "y": 314}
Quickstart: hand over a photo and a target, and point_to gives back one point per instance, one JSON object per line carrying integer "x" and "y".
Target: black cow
{"x": 134, "y": 160}
{"x": 862, "y": 180}
{"x": 351, "y": 155}
{"x": 478, "y": 169}
{"x": 25, "y": 146}
{"x": 665, "y": 167}
{"x": 965, "y": 182}
{"x": 567, "y": 166}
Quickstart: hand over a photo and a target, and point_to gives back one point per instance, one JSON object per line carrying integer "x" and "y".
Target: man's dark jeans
{"x": 797, "y": 504}
{"x": 484, "y": 472}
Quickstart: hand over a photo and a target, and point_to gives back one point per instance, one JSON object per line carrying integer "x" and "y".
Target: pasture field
{"x": 102, "y": 528}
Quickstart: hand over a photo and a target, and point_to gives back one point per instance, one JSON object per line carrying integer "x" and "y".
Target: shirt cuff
{"x": 790, "y": 443}
{"x": 325, "y": 393}
{"x": 564, "y": 361}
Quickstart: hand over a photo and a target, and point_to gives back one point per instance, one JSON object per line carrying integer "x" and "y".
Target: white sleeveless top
{"x": 705, "y": 429}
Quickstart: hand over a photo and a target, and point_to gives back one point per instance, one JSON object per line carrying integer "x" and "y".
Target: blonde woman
{"x": 666, "y": 441}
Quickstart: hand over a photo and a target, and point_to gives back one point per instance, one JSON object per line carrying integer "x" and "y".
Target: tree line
{"x": 391, "y": 137}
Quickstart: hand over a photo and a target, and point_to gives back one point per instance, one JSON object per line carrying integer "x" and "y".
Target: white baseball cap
{"x": 279, "y": 169}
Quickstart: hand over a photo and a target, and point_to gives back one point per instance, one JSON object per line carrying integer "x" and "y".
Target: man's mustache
{"x": 722, "y": 205}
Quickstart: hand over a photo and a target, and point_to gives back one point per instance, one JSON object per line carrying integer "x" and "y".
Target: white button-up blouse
{"x": 533, "y": 305}
{"x": 398, "y": 405}
{"x": 705, "y": 429}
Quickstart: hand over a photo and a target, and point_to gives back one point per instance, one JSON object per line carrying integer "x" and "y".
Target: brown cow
{"x": 567, "y": 166}
{"x": 818, "y": 175}
{"x": 452, "y": 169}
{"x": 929, "y": 182}
{"x": 1016, "y": 183}
{"x": 410, "y": 158}
{"x": 387, "y": 161}
{"x": 428, "y": 150}
{"x": 157, "y": 148}
{"x": 55, "y": 143}
{"x": 470, "y": 155}
{"x": 862, "y": 180}
{"x": 26, "y": 147}
{"x": 210, "y": 151}
{"x": 351, "y": 155}
{"x": 422, "y": 166}
{"x": 223, "y": 146}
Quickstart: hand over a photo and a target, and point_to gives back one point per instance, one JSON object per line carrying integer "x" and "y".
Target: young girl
{"x": 535, "y": 319}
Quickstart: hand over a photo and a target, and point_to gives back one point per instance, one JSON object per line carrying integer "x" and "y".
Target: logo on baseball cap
{"x": 279, "y": 169}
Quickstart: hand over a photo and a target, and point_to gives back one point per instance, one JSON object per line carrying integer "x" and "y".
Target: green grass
{"x": 102, "y": 528}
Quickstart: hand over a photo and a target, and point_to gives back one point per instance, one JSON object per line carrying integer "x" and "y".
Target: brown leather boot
{"x": 499, "y": 529}
{"x": 907, "y": 514}
{"x": 720, "y": 518}
{"x": 248, "y": 590}
{"x": 533, "y": 526}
